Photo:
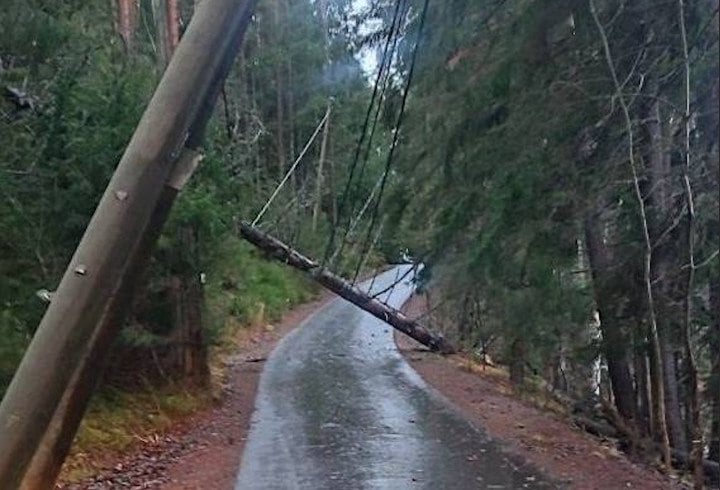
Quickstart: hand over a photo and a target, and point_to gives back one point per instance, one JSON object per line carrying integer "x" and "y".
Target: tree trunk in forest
{"x": 166, "y": 16}
{"x": 159, "y": 11}
{"x": 280, "y": 132}
{"x": 673, "y": 407}
{"x": 714, "y": 384}
{"x": 642, "y": 386}
{"x": 665, "y": 259}
{"x": 125, "y": 24}
{"x": 695, "y": 430}
{"x": 517, "y": 362}
{"x": 279, "y": 97}
{"x": 173, "y": 26}
{"x": 321, "y": 165}
{"x": 189, "y": 350}
{"x": 283, "y": 253}
{"x": 614, "y": 340}
{"x": 291, "y": 117}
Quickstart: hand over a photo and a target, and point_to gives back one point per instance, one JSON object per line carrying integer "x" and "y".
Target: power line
{"x": 394, "y": 27}
{"x": 368, "y": 147}
{"x": 292, "y": 168}
{"x": 396, "y": 132}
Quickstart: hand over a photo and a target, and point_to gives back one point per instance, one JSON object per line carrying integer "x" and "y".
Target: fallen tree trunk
{"x": 282, "y": 252}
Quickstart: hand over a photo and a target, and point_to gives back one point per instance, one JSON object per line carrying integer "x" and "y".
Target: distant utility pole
{"x": 94, "y": 287}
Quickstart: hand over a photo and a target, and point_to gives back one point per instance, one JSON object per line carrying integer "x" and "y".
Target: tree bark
{"x": 517, "y": 363}
{"x": 279, "y": 97}
{"x": 125, "y": 25}
{"x": 283, "y": 253}
{"x": 665, "y": 259}
{"x": 320, "y": 169}
{"x": 172, "y": 17}
{"x": 714, "y": 384}
{"x": 642, "y": 386}
{"x": 159, "y": 11}
{"x": 614, "y": 340}
{"x": 189, "y": 351}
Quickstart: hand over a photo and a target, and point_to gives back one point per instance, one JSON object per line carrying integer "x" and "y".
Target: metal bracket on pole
{"x": 184, "y": 168}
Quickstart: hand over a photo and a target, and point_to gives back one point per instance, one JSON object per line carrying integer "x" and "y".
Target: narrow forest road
{"x": 339, "y": 408}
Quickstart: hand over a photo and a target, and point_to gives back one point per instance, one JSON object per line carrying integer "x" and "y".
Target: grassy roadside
{"x": 243, "y": 292}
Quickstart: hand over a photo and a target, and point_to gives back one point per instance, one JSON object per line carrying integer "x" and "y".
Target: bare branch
{"x": 659, "y": 388}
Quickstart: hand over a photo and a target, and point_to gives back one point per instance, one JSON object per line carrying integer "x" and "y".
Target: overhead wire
{"x": 396, "y": 131}
{"x": 299, "y": 158}
{"x": 368, "y": 147}
{"x": 343, "y": 198}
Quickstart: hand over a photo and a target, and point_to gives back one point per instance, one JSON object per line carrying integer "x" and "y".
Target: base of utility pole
{"x": 283, "y": 253}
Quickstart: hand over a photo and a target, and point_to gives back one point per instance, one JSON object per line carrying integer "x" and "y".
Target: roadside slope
{"x": 204, "y": 450}
{"x": 540, "y": 437}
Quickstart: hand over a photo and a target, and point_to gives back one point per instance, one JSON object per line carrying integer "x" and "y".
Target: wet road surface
{"x": 339, "y": 408}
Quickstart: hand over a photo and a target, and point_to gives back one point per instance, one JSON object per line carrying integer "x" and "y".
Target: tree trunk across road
{"x": 282, "y": 252}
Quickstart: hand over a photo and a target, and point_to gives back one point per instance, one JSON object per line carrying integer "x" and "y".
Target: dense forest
{"x": 553, "y": 165}
{"x": 76, "y": 77}
{"x": 562, "y": 159}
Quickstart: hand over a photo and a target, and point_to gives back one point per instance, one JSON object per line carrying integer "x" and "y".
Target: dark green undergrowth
{"x": 244, "y": 288}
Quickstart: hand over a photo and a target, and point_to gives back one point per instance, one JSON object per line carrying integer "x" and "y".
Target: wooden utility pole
{"x": 283, "y": 253}
{"x": 94, "y": 280}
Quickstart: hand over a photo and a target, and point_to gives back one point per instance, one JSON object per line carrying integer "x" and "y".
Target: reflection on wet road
{"x": 338, "y": 408}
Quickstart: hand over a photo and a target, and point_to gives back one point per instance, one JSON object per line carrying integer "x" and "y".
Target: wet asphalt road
{"x": 339, "y": 408}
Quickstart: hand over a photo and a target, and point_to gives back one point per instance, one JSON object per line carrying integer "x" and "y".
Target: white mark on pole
{"x": 121, "y": 195}
{"x": 12, "y": 420}
{"x": 81, "y": 270}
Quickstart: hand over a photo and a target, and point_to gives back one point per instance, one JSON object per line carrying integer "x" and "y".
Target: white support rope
{"x": 292, "y": 168}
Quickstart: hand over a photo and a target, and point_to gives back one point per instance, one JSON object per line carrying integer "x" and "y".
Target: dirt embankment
{"x": 204, "y": 450}
{"x": 545, "y": 439}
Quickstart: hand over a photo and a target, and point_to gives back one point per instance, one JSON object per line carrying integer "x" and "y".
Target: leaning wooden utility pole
{"x": 94, "y": 278}
{"x": 56, "y": 443}
{"x": 282, "y": 252}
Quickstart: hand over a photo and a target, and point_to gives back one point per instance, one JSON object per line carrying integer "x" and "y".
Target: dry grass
{"x": 116, "y": 421}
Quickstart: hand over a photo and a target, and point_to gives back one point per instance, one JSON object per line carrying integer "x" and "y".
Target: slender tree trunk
{"x": 657, "y": 379}
{"x": 280, "y": 132}
{"x": 189, "y": 351}
{"x": 126, "y": 18}
{"x": 159, "y": 10}
{"x": 695, "y": 433}
{"x": 173, "y": 26}
{"x": 642, "y": 385}
{"x": 714, "y": 385}
{"x": 676, "y": 426}
{"x": 614, "y": 341}
{"x": 256, "y": 138}
{"x": 166, "y": 15}
{"x": 517, "y": 362}
{"x": 279, "y": 96}
{"x": 320, "y": 167}
{"x": 660, "y": 201}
